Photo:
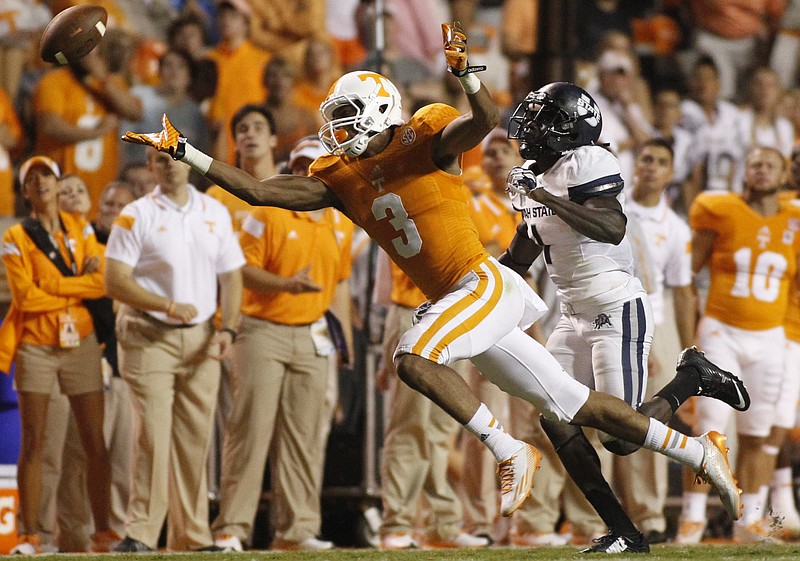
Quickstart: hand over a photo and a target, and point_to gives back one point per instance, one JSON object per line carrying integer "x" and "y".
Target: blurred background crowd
{"x": 713, "y": 78}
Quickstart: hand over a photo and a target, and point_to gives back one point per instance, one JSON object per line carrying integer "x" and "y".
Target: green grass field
{"x": 659, "y": 552}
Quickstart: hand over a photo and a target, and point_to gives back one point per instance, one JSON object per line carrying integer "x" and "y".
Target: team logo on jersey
{"x": 601, "y": 321}
{"x": 763, "y": 237}
{"x": 408, "y": 136}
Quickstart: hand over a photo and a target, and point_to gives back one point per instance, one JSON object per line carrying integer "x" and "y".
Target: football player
{"x": 569, "y": 191}
{"x": 750, "y": 243}
{"x": 401, "y": 182}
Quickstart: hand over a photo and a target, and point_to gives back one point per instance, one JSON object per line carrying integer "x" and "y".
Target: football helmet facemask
{"x": 359, "y": 105}
{"x": 555, "y": 119}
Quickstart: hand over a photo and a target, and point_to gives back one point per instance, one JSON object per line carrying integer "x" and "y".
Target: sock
{"x": 693, "y": 507}
{"x": 673, "y": 444}
{"x": 488, "y": 429}
{"x": 752, "y": 508}
{"x": 782, "y": 495}
{"x": 684, "y": 385}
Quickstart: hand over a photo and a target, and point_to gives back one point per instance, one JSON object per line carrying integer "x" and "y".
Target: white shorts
{"x": 606, "y": 349}
{"x": 484, "y": 306}
{"x": 786, "y": 408}
{"x": 757, "y": 357}
{"x": 482, "y": 319}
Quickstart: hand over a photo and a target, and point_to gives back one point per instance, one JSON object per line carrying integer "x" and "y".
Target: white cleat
{"x": 516, "y": 477}
{"x": 716, "y": 470}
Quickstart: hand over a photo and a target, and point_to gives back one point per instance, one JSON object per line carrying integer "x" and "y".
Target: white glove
{"x": 521, "y": 181}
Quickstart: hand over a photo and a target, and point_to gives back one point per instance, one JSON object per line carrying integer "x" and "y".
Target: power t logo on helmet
{"x": 359, "y": 105}
{"x": 555, "y": 119}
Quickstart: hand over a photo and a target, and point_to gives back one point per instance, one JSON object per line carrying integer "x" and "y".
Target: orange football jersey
{"x": 753, "y": 262}
{"x": 404, "y": 292}
{"x": 416, "y": 212}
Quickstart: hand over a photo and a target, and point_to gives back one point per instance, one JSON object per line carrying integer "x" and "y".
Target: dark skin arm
{"x": 599, "y": 218}
{"x": 522, "y": 251}
{"x": 465, "y": 132}
{"x": 292, "y": 192}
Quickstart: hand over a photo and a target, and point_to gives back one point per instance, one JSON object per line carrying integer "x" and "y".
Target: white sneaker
{"x": 716, "y": 470}
{"x": 399, "y": 541}
{"x": 228, "y": 542}
{"x": 537, "y": 539}
{"x": 23, "y": 549}
{"x": 516, "y": 477}
{"x": 462, "y": 540}
{"x": 690, "y": 532}
{"x": 755, "y": 532}
{"x": 314, "y": 544}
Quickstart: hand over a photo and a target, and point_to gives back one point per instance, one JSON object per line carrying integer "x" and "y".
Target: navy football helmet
{"x": 555, "y": 119}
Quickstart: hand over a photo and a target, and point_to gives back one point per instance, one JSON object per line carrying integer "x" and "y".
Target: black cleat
{"x": 614, "y": 543}
{"x": 714, "y": 381}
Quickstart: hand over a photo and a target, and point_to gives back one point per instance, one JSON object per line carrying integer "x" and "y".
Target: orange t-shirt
{"x": 239, "y": 82}
{"x": 416, "y": 212}
{"x": 8, "y": 118}
{"x": 96, "y": 160}
{"x": 792, "y": 323}
{"x": 753, "y": 262}
{"x": 284, "y": 242}
{"x": 404, "y": 292}
{"x": 502, "y": 218}
{"x": 236, "y": 206}
{"x": 39, "y": 290}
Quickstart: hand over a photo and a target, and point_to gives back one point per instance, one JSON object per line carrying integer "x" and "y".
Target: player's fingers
{"x": 137, "y": 138}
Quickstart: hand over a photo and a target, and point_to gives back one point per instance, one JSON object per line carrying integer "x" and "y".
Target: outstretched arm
{"x": 468, "y": 130}
{"x": 284, "y": 191}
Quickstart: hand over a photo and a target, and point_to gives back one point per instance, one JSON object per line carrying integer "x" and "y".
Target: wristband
{"x": 231, "y": 331}
{"x": 196, "y": 159}
{"x": 470, "y": 83}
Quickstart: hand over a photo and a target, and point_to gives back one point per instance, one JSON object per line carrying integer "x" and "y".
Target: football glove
{"x": 456, "y": 52}
{"x": 521, "y": 181}
{"x": 169, "y": 140}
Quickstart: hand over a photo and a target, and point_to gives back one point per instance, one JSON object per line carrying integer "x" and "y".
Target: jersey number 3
{"x": 765, "y": 282}
{"x": 390, "y": 207}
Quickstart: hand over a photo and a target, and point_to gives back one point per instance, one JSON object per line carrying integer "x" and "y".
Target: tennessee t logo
{"x": 377, "y": 77}
{"x": 211, "y": 226}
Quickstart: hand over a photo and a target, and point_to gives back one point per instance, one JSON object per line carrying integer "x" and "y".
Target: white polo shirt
{"x": 177, "y": 252}
{"x": 668, "y": 241}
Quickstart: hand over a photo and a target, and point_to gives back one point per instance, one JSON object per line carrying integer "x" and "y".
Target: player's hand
{"x": 169, "y": 140}
{"x": 521, "y": 181}
{"x": 456, "y": 51}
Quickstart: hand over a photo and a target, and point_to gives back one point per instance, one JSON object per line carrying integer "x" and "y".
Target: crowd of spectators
{"x": 712, "y": 78}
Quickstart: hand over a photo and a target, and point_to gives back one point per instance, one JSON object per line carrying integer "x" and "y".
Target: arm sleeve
{"x": 25, "y": 294}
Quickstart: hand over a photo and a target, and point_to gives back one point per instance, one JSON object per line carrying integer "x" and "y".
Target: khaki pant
{"x": 173, "y": 388}
{"x": 415, "y": 451}
{"x": 553, "y": 489}
{"x": 641, "y": 479}
{"x": 279, "y": 386}
{"x": 481, "y": 495}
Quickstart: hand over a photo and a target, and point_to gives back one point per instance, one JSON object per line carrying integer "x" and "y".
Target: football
{"x": 73, "y": 33}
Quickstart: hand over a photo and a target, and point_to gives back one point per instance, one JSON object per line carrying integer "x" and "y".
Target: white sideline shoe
{"x": 228, "y": 542}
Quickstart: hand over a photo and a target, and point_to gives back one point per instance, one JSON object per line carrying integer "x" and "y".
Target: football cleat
{"x": 714, "y": 381}
{"x": 716, "y": 470}
{"x": 615, "y": 543}
{"x": 516, "y": 478}
{"x": 228, "y": 542}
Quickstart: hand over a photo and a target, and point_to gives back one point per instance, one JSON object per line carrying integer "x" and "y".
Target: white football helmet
{"x": 376, "y": 102}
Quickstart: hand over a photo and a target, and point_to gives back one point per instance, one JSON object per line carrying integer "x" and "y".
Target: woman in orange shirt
{"x": 53, "y": 262}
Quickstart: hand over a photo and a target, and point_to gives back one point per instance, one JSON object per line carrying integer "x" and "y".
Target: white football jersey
{"x": 587, "y": 273}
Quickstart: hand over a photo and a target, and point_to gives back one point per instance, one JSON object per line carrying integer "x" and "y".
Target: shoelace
{"x": 506, "y": 471}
